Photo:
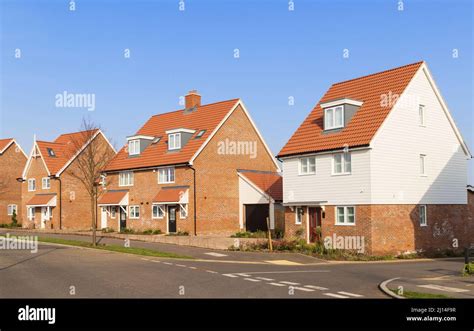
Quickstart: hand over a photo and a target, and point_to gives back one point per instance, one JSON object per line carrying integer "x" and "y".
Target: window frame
{"x": 130, "y": 178}
{"x": 333, "y": 117}
{"x": 31, "y": 180}
{"x": 168, "y": 176}
{"x": 10, "y": 209}
{"x": 135, "y": 208}
{"x": 159, "y": 207}
{"x": 423, "y": 221}
{"x": 48, "y": 180}
{"x": 346, "y": 215}
{"x": 422, "y": 164}
{"x": 422, "y": 115}
{"x": 113, "y": 212}
{"x": 136, "y": 147}
{"x": 300, "y": 222}
{"x": 30, "y": 213}
{"x": 306, "y": 160}
{"x": 175, "y": 144}
{"x": 183, "y": 207}
{"x": 344, "y": 157}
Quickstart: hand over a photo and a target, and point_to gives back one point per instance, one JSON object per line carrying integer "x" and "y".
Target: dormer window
{"x": 334, "y": 118}
{"x": 134, "y": 147}
{"x": 51, "y": 152}
{"x": 174, "y": 141}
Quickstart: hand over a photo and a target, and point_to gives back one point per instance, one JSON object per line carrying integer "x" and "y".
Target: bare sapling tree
{"x": 91, "y": 154}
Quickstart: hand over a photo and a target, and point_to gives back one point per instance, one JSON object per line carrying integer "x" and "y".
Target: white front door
{"x": 44, "y": 216}
{"x": 103, "y": 218}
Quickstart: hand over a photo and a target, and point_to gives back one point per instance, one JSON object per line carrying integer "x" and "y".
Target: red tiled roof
{"x": 113, "y": 197}
{"x": 4, "y": 143}
{"x": 270, "y": 183}
{"x": 170, "y": 194}
{"x": 205, "y": 117}
{"x": 64, "y": 147}
{"x": 40, "y": 199}
{"x": 309, "y": 137}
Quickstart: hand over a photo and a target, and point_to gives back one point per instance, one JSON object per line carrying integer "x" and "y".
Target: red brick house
{"x": 52, "y": 197}
{"x": 12, "y": 161}
{"x": 180, "y": 172}
{"x": 379, "y": 158}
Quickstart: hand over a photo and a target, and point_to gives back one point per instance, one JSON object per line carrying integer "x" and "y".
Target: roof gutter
{"x": 329, "y": 151}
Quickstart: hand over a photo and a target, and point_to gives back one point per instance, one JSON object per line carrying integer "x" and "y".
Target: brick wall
{"x": 12, "y": 162}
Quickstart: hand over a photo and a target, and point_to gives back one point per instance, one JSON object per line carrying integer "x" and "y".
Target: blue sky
{"x": 282, "y": 54}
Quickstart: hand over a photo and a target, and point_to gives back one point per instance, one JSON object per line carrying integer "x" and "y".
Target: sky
{"x": 139, "y": 57}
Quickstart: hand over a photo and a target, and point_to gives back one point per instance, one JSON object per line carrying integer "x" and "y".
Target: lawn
{"x": 419, "y": 295}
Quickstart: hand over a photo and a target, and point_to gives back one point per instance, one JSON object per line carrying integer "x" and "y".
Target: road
{"x": 71, "y": 272}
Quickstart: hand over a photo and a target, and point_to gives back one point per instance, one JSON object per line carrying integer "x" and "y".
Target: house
{"x": 12, "y": 161}
{"x": 182, "y": 170}
{"x": 53, "y": 197}
{"x": 379, "y": 158}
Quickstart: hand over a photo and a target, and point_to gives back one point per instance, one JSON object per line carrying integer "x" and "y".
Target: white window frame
{"x": 31, "y": 184}
{"x": 422, "y": 161}
{"x": 423, "y": 220}
{"x": 113, "y": 212}
{"x": 31, "y": 213}
{"x": 346, "y": 215}
{"x": 168, "y": 173}
{"x": 305, "y": 161}
{"x": 183, "y": 210}
{"x": 333, "y": 117}
{"x": 45, "y": 180}
{"x": 174, "y": 141}
{"x": 126, "y": 178}
{"x": 298, "y": 214}
{"x": 10, "y": 209}
{"x": 344, "y": 157}
{"x": 134, "y": 147}
{"x": 159, "y": 208}
{"x": 132, "y": 211}
{"x": 422, "y": 115}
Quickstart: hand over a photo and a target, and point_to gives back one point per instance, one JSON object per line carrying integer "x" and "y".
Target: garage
{"x": 256, "y": 217}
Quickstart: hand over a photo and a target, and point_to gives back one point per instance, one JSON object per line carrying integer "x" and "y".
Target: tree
{"x": 94, "y": 154}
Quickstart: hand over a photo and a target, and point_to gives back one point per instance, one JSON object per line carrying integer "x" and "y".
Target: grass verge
{"x": 420, "y": 295}
{"x": 112, "y": 248}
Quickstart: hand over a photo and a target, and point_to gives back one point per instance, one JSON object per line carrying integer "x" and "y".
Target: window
{"x": 299, "y": 215}
{"x": 31, "y": 213}
{"x": 345, "y": 215}
{"x": 156, "y": 140}
{"x": 31, "y": 184}
{"x": 46, "y": 183}
{"x": 113, "y": 212}
{"x": 174, "y": 141}
{"x": 333, "y": 118}
{"x": 183, "y": 211}
{"x": 307, "y": 165}
{"x": 158, "y": 211}
{"x": 126, "y": 178}
{"x": 134, "y": 147}
{"x": 134, "y": 212}
{"x": 166, "y": 175}
{"x": 422, "y": 164}
{"x": 200, "y": 134}
{"x": 342, "y": 163}
{"x": 11, "y": 209}
{"x": 422, "y": 212}
{"x": 51, "y": 152}
{"x": 421, "y": 115}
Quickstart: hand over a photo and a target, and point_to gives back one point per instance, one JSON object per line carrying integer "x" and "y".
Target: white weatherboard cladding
{"x": 396, "y": 150}
{"x": 323, "y": 186}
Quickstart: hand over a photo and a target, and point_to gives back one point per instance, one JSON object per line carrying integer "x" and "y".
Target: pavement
{"x": 57, "y": 271}
{"x": 452, "y": 286}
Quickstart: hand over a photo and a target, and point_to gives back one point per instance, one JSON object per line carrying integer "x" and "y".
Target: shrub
{"x": 247, "y": 234}
{"x": 128, "y": 231}
{"x": 179, "y": 233}
{"x": 468, "y": 269}
{"x": 107, "y": 230}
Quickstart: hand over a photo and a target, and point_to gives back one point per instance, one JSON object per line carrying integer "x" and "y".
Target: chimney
{"x": 192, "y": 99}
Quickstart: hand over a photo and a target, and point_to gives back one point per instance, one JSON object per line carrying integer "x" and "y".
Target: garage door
{"x": 256, "y": 217}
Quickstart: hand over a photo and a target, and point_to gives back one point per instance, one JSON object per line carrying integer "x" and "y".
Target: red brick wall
{"x": 12, "y": 162}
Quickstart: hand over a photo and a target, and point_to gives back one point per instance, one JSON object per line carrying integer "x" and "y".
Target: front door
{"x": 103, "y": 218}
{"x": 44, "y": 217}
{"x": 314, "y": 224}
{"x": 123, "y": 219}
{"x": 172, "y": 219}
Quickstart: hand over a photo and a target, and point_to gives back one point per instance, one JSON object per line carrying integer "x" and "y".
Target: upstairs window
{"x": 342, "y": 164}
{"x": 333, "y": 118}
{"x": 200, "y": 134}
{"x": 126, "y": 178}
{"x": 134, "y": 147}
{"x": 46, "y": 183}
{"x": 174, "y": 141}
{"x": 31, "y": 184}
{"x": 421, "y": 115}
{"x": 307, "y": 165}
{"x": 166, "y": 175}
{"x": 422, "y": 164}
{"x": 51, "y": 152}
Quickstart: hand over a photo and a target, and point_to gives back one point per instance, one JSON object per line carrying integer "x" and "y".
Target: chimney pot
{"x": 192, "y": 99}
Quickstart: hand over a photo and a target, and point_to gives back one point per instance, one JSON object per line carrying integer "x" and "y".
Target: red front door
{"x": 314, "y": 223}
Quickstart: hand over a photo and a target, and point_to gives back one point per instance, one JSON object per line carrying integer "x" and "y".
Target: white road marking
{"x": 282, "y": 262}
{"x": 263, "y": 278}
{"x": 155, "y": 261}
{"x": 444, "y": 288}
{"x": 282, "y": 272}
{"x": 230, "y": 275}
{"x": 290, "y": 283}
{"x": 192, "y": 268}
{"x": 350, "y": 294}
{"x": 212, "y": 272}
{"x": 168, "y": 263}
{"x": 252, "y": 280}
{"x": 316, "y": 287}
{"x": 336, "y": 295}
{"x": 303, "y": 289}
{"x": 181, "y": 265}
{"x": 144, "y": 259}
{"x": 215, "y": 254}
{"x": 244, "y": 275}
{"x": 277, "y": 284}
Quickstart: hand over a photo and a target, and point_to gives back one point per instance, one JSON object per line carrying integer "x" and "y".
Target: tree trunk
{"x": 94, "y": 225}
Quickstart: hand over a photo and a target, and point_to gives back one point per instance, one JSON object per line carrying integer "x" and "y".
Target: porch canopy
{"x": 114, "y": 198}
{"x": 42, "y": 200}
{"x": 172, "y": 195}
